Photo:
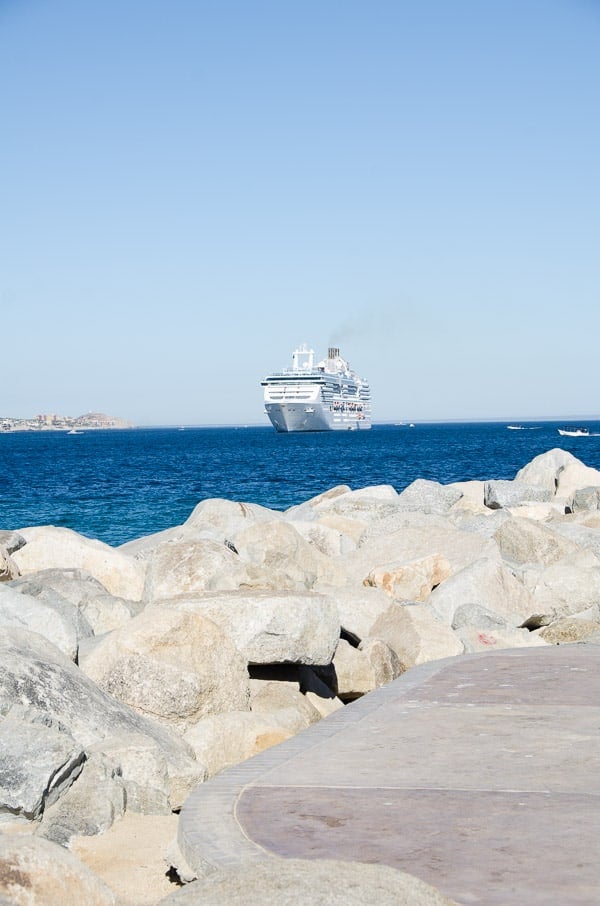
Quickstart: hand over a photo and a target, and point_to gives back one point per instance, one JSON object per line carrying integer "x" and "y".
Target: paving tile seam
{"x": 420, "y": 788}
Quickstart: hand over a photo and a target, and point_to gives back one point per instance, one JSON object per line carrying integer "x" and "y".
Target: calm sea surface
{"x": 120, "y": 485}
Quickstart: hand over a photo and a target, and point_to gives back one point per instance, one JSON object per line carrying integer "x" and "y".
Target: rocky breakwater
{"x": 131, "y": 674}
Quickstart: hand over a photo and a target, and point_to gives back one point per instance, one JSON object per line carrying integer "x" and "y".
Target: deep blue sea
{"x": 120, "y": 485}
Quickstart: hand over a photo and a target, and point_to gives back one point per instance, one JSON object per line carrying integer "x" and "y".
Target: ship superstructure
{"x": 328, "y": 396}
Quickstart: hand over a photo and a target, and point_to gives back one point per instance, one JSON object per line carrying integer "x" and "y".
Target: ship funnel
{"x": 333, "y": 352}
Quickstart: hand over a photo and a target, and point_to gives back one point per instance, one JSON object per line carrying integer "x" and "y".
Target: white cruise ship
{"x": 323, "y": 397}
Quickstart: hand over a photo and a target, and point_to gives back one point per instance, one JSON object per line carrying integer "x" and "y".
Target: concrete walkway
{"x": 479, "y": 774}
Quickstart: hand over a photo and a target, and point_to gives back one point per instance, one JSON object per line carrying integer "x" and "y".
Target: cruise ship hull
{"x": 288, "y": 417}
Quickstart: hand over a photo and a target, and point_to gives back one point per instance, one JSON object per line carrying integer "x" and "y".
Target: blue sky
{"x": 190, "y": 189}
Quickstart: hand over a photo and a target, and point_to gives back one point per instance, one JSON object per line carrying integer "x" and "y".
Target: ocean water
{"x": 120, "y": 485}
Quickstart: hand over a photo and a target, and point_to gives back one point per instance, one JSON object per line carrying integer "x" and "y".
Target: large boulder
{"x": 283, "y": 558}
{"x": 421, "y": 536}
{"x": 491, "y": 585}
{"x": 223, "y": 740}
{"x": 584, "y": 500}
{"x": 358, "y": 607}
{"x": 37, "y": 764}
{"x": 39, "y": 684}
{"x": 330, "y": 540}
{"x": 313, "y": 882}
{"x": 170, "y": 665}
{"x": 227, "y": 517}
{"x": 8, "y": 568}
{"x": 429, "y": 497}
{"x": 524, "y": 541}
{"x": 412, "y": 581}
{"x": 36, "y": 872}
{"x": 311, "y": 509}
{"x": 500, "y": 494}
{"x": 283, "y": 704}
{"x": 363, "y": 669}
{"x": 559, "y": 472}
{"x": 49, "y": 547}
{"x": 189, "y": 567}
{"x": 11, "y": 541}
{"x": 267, "y": 628}
{"x": 566, "y": 630}
{"x": 365, "y": 504}
{"x": 570, "y": 586}
{"x": 90, "y": 805}
{"x": 101, "y": 610}
{"x": 482, "y": 630}
{"x": 416, "y": 634}
{"x": 36, "y": 608}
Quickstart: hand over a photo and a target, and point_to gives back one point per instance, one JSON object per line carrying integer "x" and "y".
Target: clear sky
{"x": 191, "y": 188}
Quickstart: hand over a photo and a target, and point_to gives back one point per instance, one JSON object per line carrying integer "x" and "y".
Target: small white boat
{"x": 574, "y": 432}
{"x": 74, "y": 431}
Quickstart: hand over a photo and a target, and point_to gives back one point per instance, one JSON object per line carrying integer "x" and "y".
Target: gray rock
{"x": 292, "y": 627}
{"x": 502, "y": 494}
{"x": 288, "y": 882}
{"x": 585, "y": 500}
{"x": 227, "y": 517}
{"x": 36, "y": 872}
{"x": 489, "y": 584}
{"x": 8, "y": 568}
{"x": 422, "y": 536}
{"x": 416, "y": 634}
{"x": 29, "y": 605}
{"x": 193, "y": 567}
{"x": 429, "y": 497}
{"x": 565, "y": 588}
{"x": 361, "y": 670}
{"x": 102, "y": 610}
{"x": 90, "y": 805}
{"x": 11, "y": 541}
{"x": 37, "y": 764}
{"x": 280, "y": 559}
{"x": 523, "y": 541}
{"x": 358, "y": 607}
{"x": 545, "y": 469}
{"x": 170, "y": 665}
{"x": 310, "y": 509}
{"x": 38, "y": 682}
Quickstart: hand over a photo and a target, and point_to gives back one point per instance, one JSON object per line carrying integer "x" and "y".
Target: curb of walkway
{"x": 209, "y": 835}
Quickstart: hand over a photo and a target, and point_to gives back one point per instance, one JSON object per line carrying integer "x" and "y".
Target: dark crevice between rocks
{"x": 535, "y": 621}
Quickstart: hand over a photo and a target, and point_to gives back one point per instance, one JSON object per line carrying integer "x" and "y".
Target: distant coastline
{"x": 88, "y": 422}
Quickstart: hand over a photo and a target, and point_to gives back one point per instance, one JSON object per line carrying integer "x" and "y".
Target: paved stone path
{"x": 479, "y": 774}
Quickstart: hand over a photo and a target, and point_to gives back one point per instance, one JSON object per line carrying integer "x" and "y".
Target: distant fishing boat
{"x": 574, "y": 432}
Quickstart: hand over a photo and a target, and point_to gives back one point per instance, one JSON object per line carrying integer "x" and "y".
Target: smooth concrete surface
{"x": 479, "y": 774}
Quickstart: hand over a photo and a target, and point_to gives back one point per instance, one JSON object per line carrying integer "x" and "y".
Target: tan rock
{"x": 188, "y": 567}
{"x": 223, "y": 740}
{"x": 36, "y": 872}
{"x": 416, "y": 635}
{"x": 412, "y": 581}
{"x": 50, "y": 547}
{"x": 8, "y": 568}
{"x": 174, "y": 666}
{"x": 280, "y": 554}
{"x": 361, "y": 670}
{"x": 269, "y": 628}
{"x": 524, "y": 541}
{"x": 566, "y": 630}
